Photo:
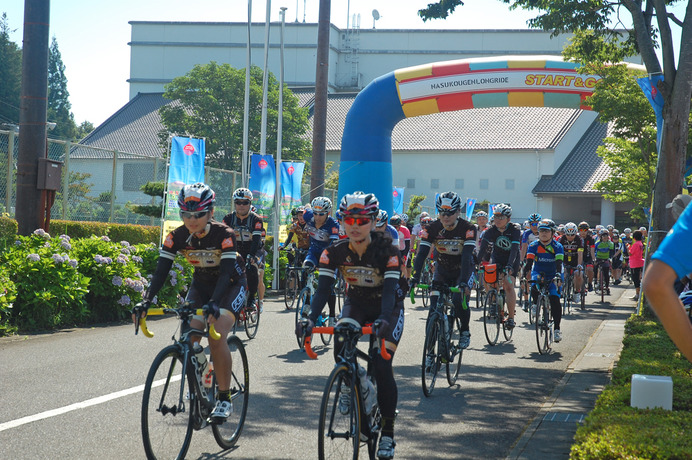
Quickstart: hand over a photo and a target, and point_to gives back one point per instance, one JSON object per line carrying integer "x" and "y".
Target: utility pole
{"x": 32, "y": 114}
{"x": 319, "y": 126}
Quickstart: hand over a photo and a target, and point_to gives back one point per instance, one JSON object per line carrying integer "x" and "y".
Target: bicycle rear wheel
{"x": 507, "y": 332}
{"x": 601, "y": 283}
{"x": 339, "y": 425}
{"x": 567, "y": 296}
{"x": 302, "y": 311}
{"x": 252, "y": 319}
{"x": 227, "y": 433}
{"x": 326, "y": 338}
{"x": 543, "y": 326}
{"x": 431, "y": 355}
{"x": 167, "y": 407}
{"x": 291, "y": 289}
{"x": 491, "y": 323}
{"x": 455, "y": 352}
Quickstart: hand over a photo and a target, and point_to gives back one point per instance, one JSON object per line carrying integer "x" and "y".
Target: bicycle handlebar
{"x": 427, "y": 286}
{"x": 330, "y": 330}
{"x": 160, "y": 311}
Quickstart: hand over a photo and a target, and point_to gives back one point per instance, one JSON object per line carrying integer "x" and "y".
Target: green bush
{"x": 8, "y": 294}
{"x": 134, "y": 234}
{"x": 8, "y": 231}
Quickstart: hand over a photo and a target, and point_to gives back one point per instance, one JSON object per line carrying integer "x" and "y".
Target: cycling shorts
{"x": 232, "y": 300}
{"x": 365, "y": 314}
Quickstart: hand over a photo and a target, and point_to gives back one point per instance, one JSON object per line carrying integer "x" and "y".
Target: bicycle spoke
{"x": 490, "y": 317}
{"x": 227, "y": 433}
{"x": 339, "y": 424}
{"x": 431, "y": 357}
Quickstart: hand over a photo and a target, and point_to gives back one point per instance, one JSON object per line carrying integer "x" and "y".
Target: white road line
{"x": 80, "y": 405}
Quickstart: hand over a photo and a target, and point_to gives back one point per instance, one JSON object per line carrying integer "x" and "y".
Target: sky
{"x": 93, "y": 37}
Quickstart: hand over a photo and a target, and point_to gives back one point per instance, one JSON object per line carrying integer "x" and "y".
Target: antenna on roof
{"x": 375, "y": 17}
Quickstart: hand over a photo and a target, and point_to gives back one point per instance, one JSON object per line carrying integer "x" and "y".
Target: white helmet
{"x": 321, "y": 204}
{"x": 242, "y": 194}
{"x": 504, "y": 209}
{"x": 571, "y": 228}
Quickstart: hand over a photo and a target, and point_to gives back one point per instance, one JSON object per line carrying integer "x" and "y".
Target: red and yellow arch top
{"x": 532, "y": 81}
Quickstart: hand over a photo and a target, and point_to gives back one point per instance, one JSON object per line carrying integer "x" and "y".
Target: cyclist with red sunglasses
{"x": 454, "y": 240}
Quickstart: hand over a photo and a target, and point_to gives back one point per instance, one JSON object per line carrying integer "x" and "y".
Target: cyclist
{"x": 218, "y": 282}
{"x": 621, "y": 253}
{"x": 297, "y": 230}
{"x": 383, "y": 226}
{"x": 371, "y": 265}
{"x": 454, "y": 240}
{"x": 544, "y": 258}
{"x": 323, "y": 230}
{"x": 482, "y": 221}
{"x": 248, "y": 227}
{"x": 529, "y": 236}
{"x": 604, "y": 249}
{"x": 589, "y": 256}
{"x": 404, "y": 240}
{"x": 505, "y": 237}
{"x": 573, "y": 247}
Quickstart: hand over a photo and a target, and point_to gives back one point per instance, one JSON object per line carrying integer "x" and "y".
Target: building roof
{"x": 582, "y": 168}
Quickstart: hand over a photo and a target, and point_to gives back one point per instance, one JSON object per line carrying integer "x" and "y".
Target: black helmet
{"x": 196, "y": 198}
{"x": 448, "y": 202}
{"x": 395, "y": 220}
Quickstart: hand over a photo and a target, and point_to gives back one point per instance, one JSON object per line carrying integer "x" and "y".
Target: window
{"x": 458, "y": 184}
{"x": 410, "y": 183}
{"x": 484, "y": 184}
{"x": 137, "y": 174}
{"x": 434, "y": 184}
{"x": 509, "y": 184}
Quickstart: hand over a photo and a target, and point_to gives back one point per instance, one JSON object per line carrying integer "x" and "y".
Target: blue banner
{"x": 491, "y": 210}
{"x": 648, "y": 86}
{"x": 262, "y": 183}
{"x": 470, "y": 205}
{"x": 291, "y": 182}
{"x": 398, "y": 200}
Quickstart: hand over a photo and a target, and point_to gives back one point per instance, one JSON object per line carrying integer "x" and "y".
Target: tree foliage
{"x": 58, "y": 97}
{"x": 209, "y": 103}
{"x": 10, "y": 75}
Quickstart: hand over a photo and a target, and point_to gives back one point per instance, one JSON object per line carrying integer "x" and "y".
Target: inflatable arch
{"x": 516, "y": 81}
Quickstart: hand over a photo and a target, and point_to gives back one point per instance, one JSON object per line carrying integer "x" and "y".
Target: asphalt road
{"x": 76, "y": 394}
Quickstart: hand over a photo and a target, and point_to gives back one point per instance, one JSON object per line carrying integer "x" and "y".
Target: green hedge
{"x": 134, "y": 234}
{"x": 616, "y": 430}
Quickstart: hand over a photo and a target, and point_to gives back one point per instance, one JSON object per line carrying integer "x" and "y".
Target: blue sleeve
{"x": 676, "y": 249}
{"x": 307, "y": 215}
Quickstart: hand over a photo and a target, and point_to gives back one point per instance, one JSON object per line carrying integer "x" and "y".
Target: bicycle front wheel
{"x": 506, "y": 331}
{"x": 491, "y": 322}
{"x": 167, "y": 407}
{"x": 567, "y": 296}
{"x": 431, "y": 355}
{"x": 227, "y": 433}
{"x": 252, "y": 319}
{"x": 339, "y": 425}
{"x": 543, "y": 326}
{"x": 302, "y": 311}
{"x": 455, "y": 352}
{"x": 291, "y": 289}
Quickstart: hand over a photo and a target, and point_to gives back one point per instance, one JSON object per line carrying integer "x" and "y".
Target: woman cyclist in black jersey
{"x": 371, "y": 266}
{"x": 219, "y": 279}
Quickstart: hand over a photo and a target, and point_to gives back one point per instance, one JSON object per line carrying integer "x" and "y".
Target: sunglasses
{"x": 320, "y": 213}
{"x": 360, "y": 221}
{"x": 447, "y": 213}
{"x": 243, "y": 203}
{"x": 193, "y": 214}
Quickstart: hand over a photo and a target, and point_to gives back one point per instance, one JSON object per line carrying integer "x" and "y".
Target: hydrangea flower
{"x": 122, "y": 259}
{"x": 73, "y": 263}
{"x": 124, "y": 300}
{"x": 65, "y": 237}
{"x": 34, "y": 257}
{"x": 173, "y": 274}
{"x": 66, "y": 245}
{"x": 105, "y": 238}
{"x": 125, "y": 251}
{"x": 117, "y": 281}
{"x": 58, "y": 259}
{"x": 125, "y": 243}
{"x": 17, "y": 243}
{"x": 42, "y": 232}
{"x": 174, "y": 281}
{"x": 137, "y": 259}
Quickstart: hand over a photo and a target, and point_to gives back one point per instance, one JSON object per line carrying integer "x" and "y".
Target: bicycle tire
{"x": 303, "y": 306}
{"x": 291, "y": 289}
{"x": 430, "y": 364}
{"x": 491, "y": 325}
{"x": 326, "y": 338}
{"x": 480, "y": 297}
{"x": 252, "y": 319}
{"x": 227, "y": 433}
{"x": 567, "y": 296}
{"x": 601, "y": 282}
{"x": 583, "y": 295}
{"x": 455, "y": 352}
{"x": 338, "y": 433}
{"x": 507, "y": 332}
{"x": 543, "y": 325}
{"x": 166, "y": 419}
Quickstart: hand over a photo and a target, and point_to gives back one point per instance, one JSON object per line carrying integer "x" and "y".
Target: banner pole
{"x": 280, "y": 123}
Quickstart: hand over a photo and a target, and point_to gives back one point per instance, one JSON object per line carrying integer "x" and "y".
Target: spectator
{"x": 637, "y": 260}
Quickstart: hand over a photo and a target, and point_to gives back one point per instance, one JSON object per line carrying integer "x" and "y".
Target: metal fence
{"x": 101, "y": 185}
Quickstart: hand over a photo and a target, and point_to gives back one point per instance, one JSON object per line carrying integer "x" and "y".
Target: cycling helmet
{"x": 322, "y": 204}
{"x": 357, "y": 205}
{"x": 526, "y": 225}
{"x": 583, "y": 225}
{"x": 571, "y": 228}
{"x": 686, "y": 298}
{"x": 404, "y": 217}
{"x": 535, "y": 217}
{"x": 395, "y": 221}
{"x": 610, "y": 227}
{"x": 242, "y": 194}
{"x": 504, "y": 209}
{"x": 425, "y": 220}
{"x": 337, "y": 215}
{"x": 424, "y": 214}
{"x": 382, "y": 218}
{"x": 448, "y": 202}
{"x": 197, "y": 197}
{"x": 603, "y": 231}
{"x": 546, "y": 224}
{"x": 627, "y": 231}
{"x": 481, "y": 214}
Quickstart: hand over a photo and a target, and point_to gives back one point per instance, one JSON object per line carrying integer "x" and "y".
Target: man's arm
{"x": 658, "y": 288}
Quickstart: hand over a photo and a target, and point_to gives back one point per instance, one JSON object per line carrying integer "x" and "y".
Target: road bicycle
{"x": 442, "y": 338}
{"x": 303, "y": 306}
{"x": 544, "y": 320}
{"x": 600, "y": 283}
{"x": 249, "y": 318}
{"x": 495, "y": 313}
{"x": 176, "y": 400}
{"x": 294, "y": 276}
{"x": 568, "y": 292}
{"x": 349, "y": 412}
{"x": 524, "y": 298}
{"x": 426, "y": 277}
{"x": 477, "y": 285}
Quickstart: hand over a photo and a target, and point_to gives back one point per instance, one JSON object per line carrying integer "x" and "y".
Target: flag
{"x": 291, "y": 181}
{"x": 491, "y": 210}
{"x": 398, "y": 200}
{"x": 262, "y": 183}
{"x": 648, "y": 86}
{"x": 470, "y": 204}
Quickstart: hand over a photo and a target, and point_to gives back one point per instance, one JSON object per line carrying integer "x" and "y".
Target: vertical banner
{"x": 491, "y": 210}
{"x": 262, "y": 184}
{"x": 186, "y": 167}
{"x": 291, "y": 182}
{"x": 398, "y": 200}
{"x": 648, "y": 86}
{"x": 470, "y": 205}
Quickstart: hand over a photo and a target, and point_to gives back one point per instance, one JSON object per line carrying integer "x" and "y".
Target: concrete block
{"x": 649, "y": 391}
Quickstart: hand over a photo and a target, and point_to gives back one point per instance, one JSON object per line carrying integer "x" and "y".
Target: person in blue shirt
{"x": 383, "y": 226}
{"x": 544, "y": 259}
{"x": 671, "y": 262}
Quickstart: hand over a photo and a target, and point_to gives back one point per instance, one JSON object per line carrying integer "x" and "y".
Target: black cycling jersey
{"x": 248, "y": 232}
{"x": 454, "y": 248}
{"x": 505, "y": 245}
{"x": 572, "y": 250}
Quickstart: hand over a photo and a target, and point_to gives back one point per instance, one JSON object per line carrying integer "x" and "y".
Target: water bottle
{"x": 207, "y": 375}
{"x": 367, "y": 389}
{"x": 201, "y": 358}
{"x": 445, "y": 325}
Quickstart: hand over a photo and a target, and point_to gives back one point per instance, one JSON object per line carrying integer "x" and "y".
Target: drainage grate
{"x": 601, "y": 355}
{"x": 563, "y": 417}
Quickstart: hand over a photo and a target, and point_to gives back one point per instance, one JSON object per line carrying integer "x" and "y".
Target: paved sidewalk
{"x": 551, "y": 433}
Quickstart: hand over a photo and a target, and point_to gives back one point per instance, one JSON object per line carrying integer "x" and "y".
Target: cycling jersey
{"x": 505, "y": 252}
{"x": 248, "y": 232}
{"x": 321, "y": 237}
{"x": 604, "y": 250}
{"x": 547, "y": 258}
{"x": 391, "y": 231}
{"x": 528, "y": 237}
{"x": 588, "y": 244}
{"x": 448, "y": 244}
{"x": 404, "y": 240}
{"x": 301, "y": 235}
{"x": 572, "y": 249}
{"x": 676, "y": 249}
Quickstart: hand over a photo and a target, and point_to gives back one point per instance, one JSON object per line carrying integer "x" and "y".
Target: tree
{"x": 10, "y": 75}
{"x": 58, "y": 97}
{"x": 208, "y": 102}
{"x": 413, "y": 209}
{"x": 155, "y": 190}
{"x": 601, "y": 16}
